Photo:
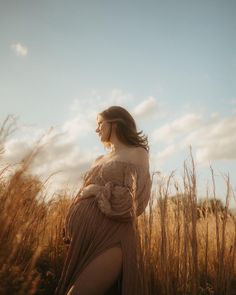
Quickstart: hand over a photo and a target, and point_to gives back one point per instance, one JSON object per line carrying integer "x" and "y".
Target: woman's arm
{"x": 122, "y": 202}
{"x": 90, "y": 190}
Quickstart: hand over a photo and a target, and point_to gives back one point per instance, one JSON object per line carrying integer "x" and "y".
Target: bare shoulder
{"x": 139, "y": 156}
{"x": 97, "y": 160}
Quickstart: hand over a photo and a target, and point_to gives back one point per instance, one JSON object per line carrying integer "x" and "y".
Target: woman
{"x": 101, "y": 223}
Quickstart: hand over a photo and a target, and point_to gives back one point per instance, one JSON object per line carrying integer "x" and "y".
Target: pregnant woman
{"x": 101, "y": 225}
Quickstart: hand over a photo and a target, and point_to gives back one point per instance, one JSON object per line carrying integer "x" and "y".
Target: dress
{"x": 99, "y": 222}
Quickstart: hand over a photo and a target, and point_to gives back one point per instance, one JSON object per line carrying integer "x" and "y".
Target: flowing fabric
{"x": 109, "y": 218}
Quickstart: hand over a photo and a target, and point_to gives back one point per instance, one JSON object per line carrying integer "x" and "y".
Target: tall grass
{"x": 189, "y": 247}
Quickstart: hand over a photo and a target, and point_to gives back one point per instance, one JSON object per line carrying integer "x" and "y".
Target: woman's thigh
{"x": 100, "y": 274}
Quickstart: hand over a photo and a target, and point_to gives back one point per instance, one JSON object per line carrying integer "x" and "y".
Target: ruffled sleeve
{"x": 124, "y": 202}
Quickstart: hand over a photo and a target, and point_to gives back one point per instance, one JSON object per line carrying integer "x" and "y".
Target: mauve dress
{"x": 99, "y": 222}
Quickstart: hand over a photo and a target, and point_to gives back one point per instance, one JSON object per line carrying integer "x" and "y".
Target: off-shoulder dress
{"x": 99, "y": 222}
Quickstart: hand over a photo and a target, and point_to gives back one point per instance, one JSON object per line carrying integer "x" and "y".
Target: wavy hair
{"x": 126, "y": 130}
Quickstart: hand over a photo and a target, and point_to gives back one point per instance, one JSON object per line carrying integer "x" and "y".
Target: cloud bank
{"x": 146, "y": 108}
{"x": 69, "y": 149}
{"x": 213, "y": 139}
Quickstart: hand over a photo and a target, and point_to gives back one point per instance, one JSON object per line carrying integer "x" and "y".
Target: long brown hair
{"x": 126, "y": 130}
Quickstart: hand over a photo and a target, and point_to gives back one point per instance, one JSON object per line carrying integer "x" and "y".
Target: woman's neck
{"x": 118, "y": 147}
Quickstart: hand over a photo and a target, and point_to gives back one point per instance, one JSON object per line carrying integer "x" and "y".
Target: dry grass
{"x": 189, "y": 248}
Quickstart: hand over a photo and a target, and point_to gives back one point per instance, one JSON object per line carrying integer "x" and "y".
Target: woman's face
{"x": 103, "y": 129}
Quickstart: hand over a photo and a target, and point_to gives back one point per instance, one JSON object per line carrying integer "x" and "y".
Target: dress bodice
{"x": 116, "y": 171}
{"x": 124, "y": 188}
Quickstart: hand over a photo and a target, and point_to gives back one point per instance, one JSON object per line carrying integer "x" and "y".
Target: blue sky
{"x": 172, "y": 64}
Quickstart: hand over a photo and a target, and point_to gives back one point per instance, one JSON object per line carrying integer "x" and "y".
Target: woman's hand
{"x": 90, "y": 190}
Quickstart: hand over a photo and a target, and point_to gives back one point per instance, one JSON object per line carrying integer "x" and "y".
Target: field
{"x": 189, "y": 245}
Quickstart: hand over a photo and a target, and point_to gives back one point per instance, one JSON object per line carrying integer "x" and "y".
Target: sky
{"x": 171, "y": 64}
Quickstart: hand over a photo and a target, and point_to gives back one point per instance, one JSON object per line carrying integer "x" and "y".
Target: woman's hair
{"x": 126, "y": 130}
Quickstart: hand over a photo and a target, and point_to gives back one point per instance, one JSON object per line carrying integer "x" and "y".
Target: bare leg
{"x": 100, "y": 274}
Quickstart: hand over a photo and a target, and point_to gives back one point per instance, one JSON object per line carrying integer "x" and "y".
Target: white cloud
{"x": 76, "y": 127}
{"x": 215, "y": 140}
{"x": 59, "y": 154}
{"x": 146, "y": 107}
{"x": 64, "y": 161}
{"x": 19, "y": 49}
{"x": 169, "y": 131}
{"x": 15, "y": 150}
{"x": 165, "y": 154}
{"x": 212, "y": 140}
{"x": 215, "y": 116}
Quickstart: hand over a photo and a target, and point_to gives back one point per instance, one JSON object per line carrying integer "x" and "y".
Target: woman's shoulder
{"x": 134, "y": 155}
{"x": 98, "y": 158}
{"x": 97, "y": 161}
{"x": 139, "y": 155}
{"x": 140, "y": 151}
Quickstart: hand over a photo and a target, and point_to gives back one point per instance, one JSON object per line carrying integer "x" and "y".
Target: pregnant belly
{"x": 81, "y": 216}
